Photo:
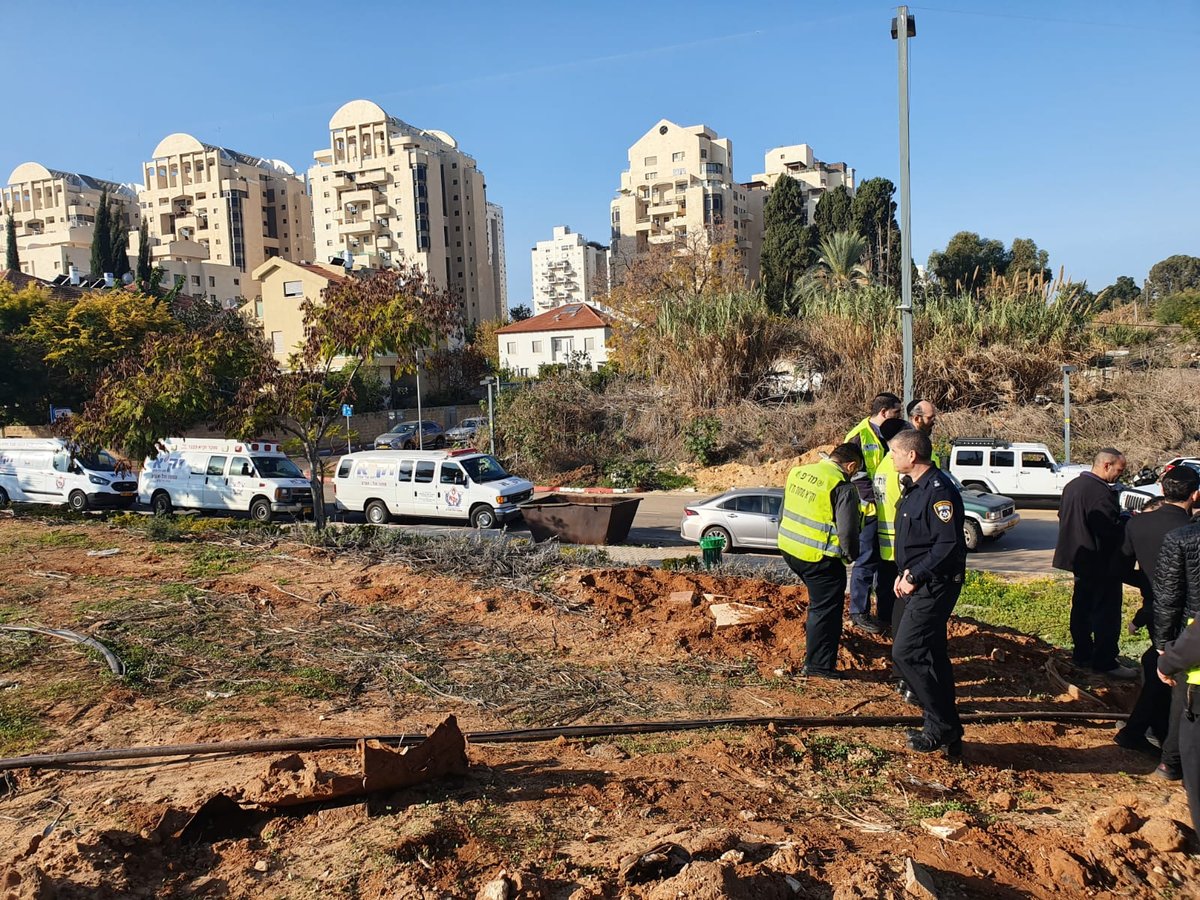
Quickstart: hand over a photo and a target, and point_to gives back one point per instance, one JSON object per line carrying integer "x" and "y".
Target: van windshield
{"x": 97, "y": 462}
{"x": 483, "y": 469}
{"x": 276, "y": 467}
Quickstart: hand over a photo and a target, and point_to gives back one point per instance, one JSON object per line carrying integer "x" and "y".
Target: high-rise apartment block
{"x": 814, "y": 176}
{"x": 384, "y": 190}
{"x": 214, "y": 215}
{"x": 55, "y": 216}
{"x": 679, "y": 188}
{"x": 495, "y": 254}
{"x": 567, "y": 269}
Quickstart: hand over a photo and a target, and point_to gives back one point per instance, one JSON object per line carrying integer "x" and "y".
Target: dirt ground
{"x": 227, "y": 638}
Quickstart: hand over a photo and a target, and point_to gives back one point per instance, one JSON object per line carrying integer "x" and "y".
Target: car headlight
{"x": 995, "y": 514}
{"x": 96, "y": 479}
{"x": 283, "y": 494}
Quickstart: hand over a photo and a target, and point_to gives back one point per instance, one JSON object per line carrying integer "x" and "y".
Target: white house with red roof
{"x": 577, "y": 332}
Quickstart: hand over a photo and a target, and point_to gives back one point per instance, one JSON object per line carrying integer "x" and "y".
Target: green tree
{"x": 834, "y": 211}
{"x": 788, "y": 243}
{"x": 101, "y": 261}
{"x": 88, "y": 335}
{"x": 12, "y": 259}
{"x": 873, "y": 215}
{"x": 119, "y": 244}
{"x": 1123, "y": 290}
{"x": 840, "y": 265}
{"x": 27, "y": 380}
{"x": 144, "y": 269}
{"x": 520, "y": 313}
{"x": 1026, "y": 258}
{"x": 968, "y": 262}
{"x": 1172, "y": 275}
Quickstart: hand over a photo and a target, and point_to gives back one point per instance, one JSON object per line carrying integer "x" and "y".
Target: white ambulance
{"x": 255, "y": 477}
{"x": 45, "y": 470}
{"x": 450, "y": 484}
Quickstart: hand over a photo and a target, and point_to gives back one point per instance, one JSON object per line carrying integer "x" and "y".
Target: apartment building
{"x": 576, "y": 333}
{"x": 55, "y": 216}
{"x": 495, "y": 253}
{"x": 815, "y": 177}
{"x": 567, "y": 269}
{"x": 384, "y": 190}
{"x": 680, "y": 186}
{"x": 214, "y": 215}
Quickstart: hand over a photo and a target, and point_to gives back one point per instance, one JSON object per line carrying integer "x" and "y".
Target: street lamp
{"x": 489, "y": 381}
{"x": 1067, "y": 370}
{"x": 901, "y": 35}
{"x": 417, "y": 354}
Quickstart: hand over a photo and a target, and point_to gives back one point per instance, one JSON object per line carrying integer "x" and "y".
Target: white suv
{"x": 1021, "y": 470}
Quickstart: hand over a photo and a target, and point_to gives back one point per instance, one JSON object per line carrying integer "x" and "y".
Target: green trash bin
{"x": 711, "y": 548}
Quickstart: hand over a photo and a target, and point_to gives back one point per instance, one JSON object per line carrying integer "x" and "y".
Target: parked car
{"x": 404, "y": 437}
{"x": 1021, "y": 470}
{"x": 47, "y": 470}
{"x": 465, "y": 430}
{"x": 749, "y": 517}
{"x": 1143, "y": 491}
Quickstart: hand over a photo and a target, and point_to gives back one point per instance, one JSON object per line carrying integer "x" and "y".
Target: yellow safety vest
{"x": 887, "y": 498}
{"x": 806, "y": 527}
{"x": 872, "y": 446}
{"x": 1193, "y": 674}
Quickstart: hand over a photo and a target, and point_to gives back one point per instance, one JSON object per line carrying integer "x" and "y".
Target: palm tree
{"x": 840, "y": 263}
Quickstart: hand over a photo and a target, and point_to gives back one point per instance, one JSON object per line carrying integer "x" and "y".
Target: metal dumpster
{"x": 580, "y": 518}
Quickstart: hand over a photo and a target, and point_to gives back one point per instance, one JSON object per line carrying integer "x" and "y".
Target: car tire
{"x": 160, "y": 504}
{"x": 973, "y": 534}
{"x": 377, "y": 513}
{"x": 409, "y": 445}
{"x": 260, "y": 510}
{"x": 4, "y": 501}
{"x": 78, "y": 501}
{"x": 977, "y": 486}
{"x": 718, "y": 531}
{"x": 483, "y": 516}
{"x": 439, "y": 442}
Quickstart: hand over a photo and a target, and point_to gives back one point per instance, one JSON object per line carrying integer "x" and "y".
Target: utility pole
{"x": 904, "y": 26}
{"x": 1067, "y": 370}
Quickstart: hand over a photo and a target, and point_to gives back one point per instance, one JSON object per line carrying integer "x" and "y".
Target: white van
{"x": 45, "y": 470}
{"x": 450, "y": 484}
{"x": 228, "y": 476}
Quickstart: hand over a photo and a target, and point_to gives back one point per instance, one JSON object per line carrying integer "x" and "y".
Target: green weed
{"x": 20, "y": 732}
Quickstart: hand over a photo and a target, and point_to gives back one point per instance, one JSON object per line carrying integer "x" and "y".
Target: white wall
{"x": 525, "y": 353}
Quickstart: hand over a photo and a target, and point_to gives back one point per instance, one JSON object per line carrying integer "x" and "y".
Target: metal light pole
{"x": 1067, "y": 370}
{"x": 901, "y": 35}
{"x": 420, "y": 429}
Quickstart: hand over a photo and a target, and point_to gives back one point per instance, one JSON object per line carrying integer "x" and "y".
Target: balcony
{"x": 360, "y": 226}
{"x": 384, "y": 242}
{"x": 371, "y": 176}
{"x": 662, "y": 237}
{"x": 383, "y": 209}
{"x": 342, "y": 182}
{"x": 360, "y": 196}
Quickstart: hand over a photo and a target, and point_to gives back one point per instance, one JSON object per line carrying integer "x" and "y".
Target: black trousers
{"x": 1153, "y": 707}
{"x": 826, "y": 583}
{"x": 1172, "y": 746}
{"x": 1096, "y": 620}
{"x": 922, "y": 658}
{"x": 1189, "y": 748}
{"x": 888, "y": 606}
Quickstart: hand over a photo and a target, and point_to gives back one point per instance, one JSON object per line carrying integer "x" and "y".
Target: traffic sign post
{"x": 347, "y": 411}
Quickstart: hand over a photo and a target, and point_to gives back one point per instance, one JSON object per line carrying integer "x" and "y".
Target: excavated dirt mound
{"x": 715, "y": 479}
{"x": 227, "y": 641}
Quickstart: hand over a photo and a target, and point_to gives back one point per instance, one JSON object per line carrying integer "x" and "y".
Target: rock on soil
{"x": 918, "y": 882}
{"x": 1113, "y": 820}
{"x": 1164, "y": 835}
{"x": 720, "y": 881}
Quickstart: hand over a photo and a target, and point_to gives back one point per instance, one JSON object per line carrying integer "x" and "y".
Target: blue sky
{"x": 1072, "y": 123}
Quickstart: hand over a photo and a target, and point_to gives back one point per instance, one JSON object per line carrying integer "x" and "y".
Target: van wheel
{"x": 483, "y": 516}
{"x": 3, "y": 499}
{"x": 377, "y": 512}
{"x": 260, "y": 510}
{"x": 78, "y": 501}
{"x": 160, "y": 504}
{"x": 973, "y": 534}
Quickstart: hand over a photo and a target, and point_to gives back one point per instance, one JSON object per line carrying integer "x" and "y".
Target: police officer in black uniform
{"x": 931, "y": 559}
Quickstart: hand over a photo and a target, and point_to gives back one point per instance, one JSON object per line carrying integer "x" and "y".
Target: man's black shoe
{"x": 866, "y": 623}
{"x": 1168, "y": 773}
{"x": 831, "y": 674}
{"x": 1136, "y": 742}
{"x": 920, "y": 742}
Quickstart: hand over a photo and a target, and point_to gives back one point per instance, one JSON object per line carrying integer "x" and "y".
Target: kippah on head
{"x": 847, "y": 453}
{"x": 914, "y": 440}
{"x": 1180, "y": 483}
{"x": 892, "y": 427}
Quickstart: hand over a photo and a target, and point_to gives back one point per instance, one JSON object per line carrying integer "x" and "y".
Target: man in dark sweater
{"x": 1090, "y": 537}
{"x": 1179, "y": 666}
{"x": 1144, "y": 536}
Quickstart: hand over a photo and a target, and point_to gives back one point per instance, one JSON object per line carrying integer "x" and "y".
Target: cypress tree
{"x": 119, "y": 243}
{"x": 788, "y": 242}
{"x": 102, "y": 239}
{"x": 143, "y": 260}
{"x": 11, "y": 258}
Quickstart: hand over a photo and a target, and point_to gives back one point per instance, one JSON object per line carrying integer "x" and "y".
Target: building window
{"x": 212, "y": 281}
{"x": 511, "y": 348}
{"x": 537, "y": 346}
{"x": 650, "y": 176}
{"x": 589, "y": 343}
{"x": 704, "y": 154}
{"x": 677, "y": 156}
{"x": 237, "y": 281}
{"x": 277, "y": 341}
{"x": 258, "y": 308}
{"x": 650, "y": 161}
{"x": 196, "y": 280}
{"x": 293, "y": 289}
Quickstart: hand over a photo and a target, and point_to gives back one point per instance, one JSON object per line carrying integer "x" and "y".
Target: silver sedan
{"x": 741, "y": 517}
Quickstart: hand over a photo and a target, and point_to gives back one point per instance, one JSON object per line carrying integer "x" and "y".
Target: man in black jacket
{"x": 1176, "y": 603}
{"x": 1179, "y": 666}
{"x": 1090, "y": 537}
{"x": 1144, "y": 536}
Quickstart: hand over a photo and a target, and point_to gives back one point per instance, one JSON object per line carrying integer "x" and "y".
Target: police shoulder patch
{"x": 944, "y": 510}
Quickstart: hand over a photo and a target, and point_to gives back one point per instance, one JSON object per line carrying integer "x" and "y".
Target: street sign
{"x": 347, "y": 410}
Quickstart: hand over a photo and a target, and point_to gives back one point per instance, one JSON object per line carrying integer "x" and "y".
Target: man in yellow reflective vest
{"x": 867, "y": 436}
{"x": 818, "y": 536}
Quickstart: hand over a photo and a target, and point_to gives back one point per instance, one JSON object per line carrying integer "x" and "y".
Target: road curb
{"x": 544, "y": 488}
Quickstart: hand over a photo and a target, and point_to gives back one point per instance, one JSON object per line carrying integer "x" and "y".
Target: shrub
{"x": 1175, "y": 308}
{"x": 700, "y": 438}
